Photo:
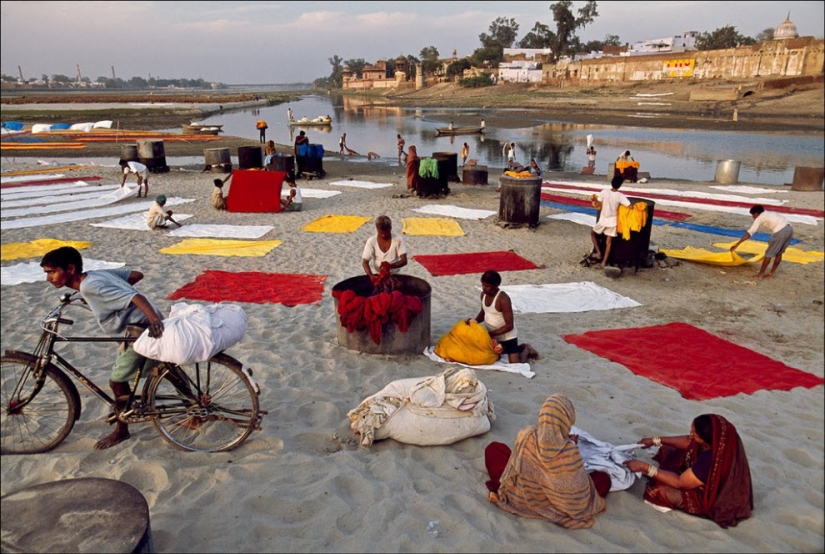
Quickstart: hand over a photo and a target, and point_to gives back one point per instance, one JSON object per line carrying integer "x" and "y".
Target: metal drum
{"x": 218, "y": 160}
{"x": 808, "y": 178}
{"x": 129, "y": 152}
{"x": 250, "y": 157}
{"x": 450, "y": 166}
{"x": 281, "y": 163}
{"x": 520, "y": 201}
{"x": 393, "y": 341}
{"x": 474, "y": 175}
{"x": 152, "y": 154}
{"x": 727, "y": 172}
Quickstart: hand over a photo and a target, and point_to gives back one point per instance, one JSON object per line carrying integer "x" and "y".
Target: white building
{"x": 519, "y": 72}
{"x": 679, "y": 43}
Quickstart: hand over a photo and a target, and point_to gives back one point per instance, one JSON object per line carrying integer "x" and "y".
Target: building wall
{"x": 779, "y": 58}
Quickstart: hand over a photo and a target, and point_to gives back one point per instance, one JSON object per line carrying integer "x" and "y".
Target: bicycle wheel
{"x": 210, "y": 406}
{"x": 47, "y": 418}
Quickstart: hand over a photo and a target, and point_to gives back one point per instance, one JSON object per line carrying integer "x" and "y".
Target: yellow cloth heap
{"x": 468, "y": 342}
{"x": 631, "y": 218}
{"x": 519, "y": 174}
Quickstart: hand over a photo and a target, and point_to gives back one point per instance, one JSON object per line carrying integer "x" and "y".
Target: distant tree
{"x": 483, "y": 80}
{"x": 721, "y": 38}
{"x": 410, "y": 63}
{"x": 101, "y": 79}
{"x": 538, "y": 37}
{"x": 429, "y": 60}
{"x": 335, "y": 79}
{"x": 138, "y": 82}
{"x": 356, "y": 66}
{"x": 765, "y": 35}
{"x": 565, "y": 41}
{"x": 598, "y": 45}
{"x": 58, "y": 78}
{"x": 458, "y": 67}
{"x": 487, "y": 57}
{"x": 44, "y": 78}
{"x": 503, "y": 33}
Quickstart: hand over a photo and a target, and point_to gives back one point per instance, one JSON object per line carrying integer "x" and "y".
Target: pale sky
{"x": 285, "y": 42}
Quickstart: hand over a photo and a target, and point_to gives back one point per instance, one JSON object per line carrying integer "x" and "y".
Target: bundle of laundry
{"x": 430, "y": 411}
{"x": 468, "y": 342}
{"x": 194, "y": 333}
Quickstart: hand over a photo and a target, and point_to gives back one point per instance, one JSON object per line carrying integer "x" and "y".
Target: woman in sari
{"x": 412, "y": 168}
{"x": 545, "y": 477}
{"x": 705, "y": 473}
{"x": 536, "y": 169}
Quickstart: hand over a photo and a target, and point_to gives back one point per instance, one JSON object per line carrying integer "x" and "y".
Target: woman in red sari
{"x": 412, "y": 169}
{"x": 705, "y": 473}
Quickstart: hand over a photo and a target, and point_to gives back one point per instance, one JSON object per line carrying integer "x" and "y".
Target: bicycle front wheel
{"x": 209, "y": 407}
{"x": 34, "y": 419}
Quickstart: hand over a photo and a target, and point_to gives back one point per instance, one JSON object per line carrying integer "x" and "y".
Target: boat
{"x": 320, "y": 121}
{"x": 447, "y": 132}
{"x": 201, "y": 129}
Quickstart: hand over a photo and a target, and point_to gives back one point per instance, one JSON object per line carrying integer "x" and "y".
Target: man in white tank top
{"x": 497, "y": 316}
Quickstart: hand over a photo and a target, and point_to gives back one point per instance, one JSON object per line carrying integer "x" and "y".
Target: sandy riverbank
{"x": 302, "y": 484}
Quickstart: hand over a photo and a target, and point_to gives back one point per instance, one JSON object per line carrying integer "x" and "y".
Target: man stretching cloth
{"x": 608, "y": 201}
{"x": 497, "y": 316}
{"x": 781, "y": 235}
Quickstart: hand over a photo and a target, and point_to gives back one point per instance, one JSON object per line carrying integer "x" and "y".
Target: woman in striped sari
{"x": 545, "y": 477}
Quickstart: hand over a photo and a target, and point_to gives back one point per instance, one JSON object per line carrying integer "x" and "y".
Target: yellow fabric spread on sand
{"x": 631, "y": 218}
{"x": 222, "y": 247}
{"x": 519, "y": 174}
{"x": 431, "y": 227}
{"x": 36, "y": 248}
{"x": 336, "y": 224}
{"x": 467, "y": 343}
{"x": 792, "y": 254}
{"x": 713, "y": 258}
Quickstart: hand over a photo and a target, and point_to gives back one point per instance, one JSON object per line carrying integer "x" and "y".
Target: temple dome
{"x": 786, "y": 30}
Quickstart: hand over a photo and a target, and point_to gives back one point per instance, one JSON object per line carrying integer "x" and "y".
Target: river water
{"x": 766, "y": 158}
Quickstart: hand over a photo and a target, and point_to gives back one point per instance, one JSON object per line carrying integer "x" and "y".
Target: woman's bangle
{"x": 652, "y": 471}
{"x": 657, "y": 441}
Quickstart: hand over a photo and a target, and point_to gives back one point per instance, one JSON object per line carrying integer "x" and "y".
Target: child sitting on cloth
{"x": 218, "y": 199}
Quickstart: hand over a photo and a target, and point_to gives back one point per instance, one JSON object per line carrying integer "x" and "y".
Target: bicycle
{"x": 210, "y": 406}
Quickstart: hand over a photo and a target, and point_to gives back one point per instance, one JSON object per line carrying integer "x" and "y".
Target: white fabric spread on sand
{"x": 24, "y": 178}
{"x": 202, "y": 230}
{"x": 454, "y": 211}
{"x": 361, "y": 184}
{"x": 135, "y": 222}
{"x": 87, "y": 214}
{"x": 500, "y": 365}
{"x": 602, "y": 456}
{"x": 744, "y": 189}
{"x": 793, "y": 218}
{"x": 54, "y": 190}
{"x": 575, "y": 217}
{"x": 105, "y": 198}
{"x": 31, "y": 272}
{"x": 312, "y": 193}
{"x": 85, "y": 127}
{"x": 584, "y": 296}
{"x": 672, "y": 192}
{"x": 57, "y": 199}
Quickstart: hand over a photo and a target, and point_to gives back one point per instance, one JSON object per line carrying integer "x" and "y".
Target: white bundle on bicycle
{"x": 429, "y": 411}
{"x": 194, "y": 333}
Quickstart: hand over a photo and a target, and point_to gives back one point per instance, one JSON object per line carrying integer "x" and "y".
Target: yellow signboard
{"x": 678, "y": 68}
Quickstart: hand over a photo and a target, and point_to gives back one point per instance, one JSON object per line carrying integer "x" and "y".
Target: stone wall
{"x": 780, "y": 58}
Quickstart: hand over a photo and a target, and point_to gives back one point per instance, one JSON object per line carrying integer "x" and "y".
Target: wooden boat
{"x": 320, "y": 121}
{"x": 446, "y": 131}
{"x": 200, "y": 129}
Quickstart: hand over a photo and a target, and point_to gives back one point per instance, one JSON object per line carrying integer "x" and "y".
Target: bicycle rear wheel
{"x": 209, "y": 407}
{"x": 42, "y": 422}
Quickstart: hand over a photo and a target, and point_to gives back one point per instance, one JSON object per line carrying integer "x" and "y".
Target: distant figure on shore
{"x": 413, "y": 162}
{"x": 400, "y": 142}
{"x": 781, "y": 235}
{"x": 294, "y": 202}
{"x": 626, "y": 157}
{"x": 141, "y": 173}
{"x": 451, "y": 126}
{"x": 270, "y": 148}
{"x": 342, "y": 144}
{"x": 482, "y": 124}
{"x": 262, "y": 127}
{"x": 218, "y": 199}
{"x": 289, "y": 117}
{"x": 465, "y": 152}
{"x": 591, "y": 157}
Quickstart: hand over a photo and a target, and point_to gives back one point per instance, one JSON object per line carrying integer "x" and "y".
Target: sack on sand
{"x": 468, "y": 342}
{"x": 194, "y": 333}
{"x": 429, "y": 411}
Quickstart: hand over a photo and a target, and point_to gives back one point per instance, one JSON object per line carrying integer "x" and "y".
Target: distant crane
{"x": 79, "y": 77}
{"x": 22, "y": 80}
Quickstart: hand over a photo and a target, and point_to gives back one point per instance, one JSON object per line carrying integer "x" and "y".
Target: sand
{"x": 302, "y": 484}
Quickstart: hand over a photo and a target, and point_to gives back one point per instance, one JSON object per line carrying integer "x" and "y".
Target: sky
{"x": 289, "y": 42}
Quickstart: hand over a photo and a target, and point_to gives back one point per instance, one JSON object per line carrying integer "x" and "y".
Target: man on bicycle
{"x": 118, "y": 308}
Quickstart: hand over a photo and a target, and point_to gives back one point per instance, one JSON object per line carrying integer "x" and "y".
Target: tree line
{"x": 503, "y": 32}
{"x": 135, "y": 83}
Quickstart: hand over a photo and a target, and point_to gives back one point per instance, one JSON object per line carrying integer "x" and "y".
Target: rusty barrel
{"x": 129, "y": 152}
{"x": 519, "y": 201}
{"x": 76, "y": 515}
{"x": 412, "y": 342}
{"x": 808, "y": 178}
{"x": 152, "y": 154}
{"x": 451, "y": 165}
{"x": 218, "y": 160}
{"x": 474, "y": 175}
{"x": 281, "y": 163}
{"x": 250, "y": 157}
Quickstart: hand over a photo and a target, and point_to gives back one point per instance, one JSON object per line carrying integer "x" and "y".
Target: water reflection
{"x": 768, "y": 158}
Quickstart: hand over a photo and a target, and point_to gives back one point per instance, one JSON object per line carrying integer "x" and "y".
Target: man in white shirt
{"x": 781, "y": 235}
{"x": 608, "y": 200}
{"x": 140, "y": 171}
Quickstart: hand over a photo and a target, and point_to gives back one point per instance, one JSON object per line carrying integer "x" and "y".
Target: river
{"x": 766, "y": 158}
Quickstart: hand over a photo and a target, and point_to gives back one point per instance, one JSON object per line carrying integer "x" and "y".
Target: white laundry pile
{"x": 564, "y": 297}
{"x": 361, "y": 184}
{"x": 202, "y": 230}
{"x": 454, "y": 211}
{"x": 134, "y": 222}
{"x": 31, "y": 272}
{"x": 500, "y": 365}
{"x": 83, "y": 191}
{"x": 575, "y": 217}
{"x": 103, "y": 198}
{"x": 602, "y": 456}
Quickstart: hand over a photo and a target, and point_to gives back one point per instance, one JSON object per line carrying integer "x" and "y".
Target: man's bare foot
{"x": 770, "y": 275}
{"x": 532, "y": 354}
{"x": 759, "y": 277}
{"x": 117, "y": 436}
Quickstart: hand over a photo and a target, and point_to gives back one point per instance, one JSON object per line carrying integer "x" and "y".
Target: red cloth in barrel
{"x": 473, "y": 262}
{"x": 371, "y": 313}
{"x": 255, "y": 191}
{"x": 698, "y": 364}
{"x": 403, "y": 308}
{"x": 254, "y": 287}
{"x": 351, "y": 309}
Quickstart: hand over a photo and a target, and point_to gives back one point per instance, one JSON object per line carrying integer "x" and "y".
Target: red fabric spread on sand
{"x": 358, "y": 312}
{"x": 254, "y": 287}
{"x": 473, "y": 262}
{"x": 698, "y": 364}
{"x": 664, "y": 214}
{"x": 56, "y": 180}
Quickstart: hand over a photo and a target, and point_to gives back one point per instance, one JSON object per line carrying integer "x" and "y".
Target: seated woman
{"x": 536, "y": 169}
{"x": 545, "y": 477}
{"x": 705, "y": 473}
